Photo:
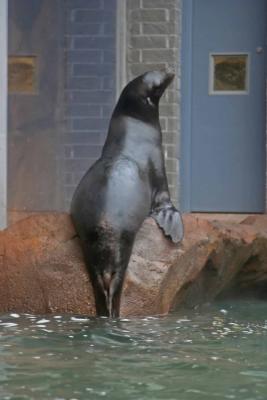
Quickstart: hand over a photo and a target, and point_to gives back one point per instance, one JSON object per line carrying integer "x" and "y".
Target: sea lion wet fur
{"x": 127, "y": 184}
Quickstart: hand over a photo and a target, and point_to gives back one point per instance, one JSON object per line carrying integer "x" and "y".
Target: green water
{"x": 217, "y": 352}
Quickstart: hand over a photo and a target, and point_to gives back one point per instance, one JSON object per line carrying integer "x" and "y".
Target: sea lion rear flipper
{"x": 107, "y": 290}
{"x": 170, "y": 221}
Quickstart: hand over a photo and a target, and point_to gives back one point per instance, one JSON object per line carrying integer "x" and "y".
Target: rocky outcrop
{"x": 42, "y": 268}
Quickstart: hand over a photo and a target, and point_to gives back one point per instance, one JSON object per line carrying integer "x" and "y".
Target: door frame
{"x": 3, "y": 112}
{"x": 186, "y": 104}
{"x": 187, "y": 59}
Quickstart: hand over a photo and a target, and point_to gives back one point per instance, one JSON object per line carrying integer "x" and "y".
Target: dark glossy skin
{"x": 127, "y": 184}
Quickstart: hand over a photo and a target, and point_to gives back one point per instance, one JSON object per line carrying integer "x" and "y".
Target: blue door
{"x": 225, "y": 141}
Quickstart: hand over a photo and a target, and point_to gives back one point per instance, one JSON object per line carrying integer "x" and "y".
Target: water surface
{"x": 216, "y": 352}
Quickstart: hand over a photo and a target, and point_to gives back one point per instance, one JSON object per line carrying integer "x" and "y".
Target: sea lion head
{"x": 140, "y": 98}
{"x": 154, "y": 84}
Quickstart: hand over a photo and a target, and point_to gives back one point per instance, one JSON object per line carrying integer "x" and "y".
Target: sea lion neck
{"x": 126, "y": 133}
{"x": 137, "y": 110}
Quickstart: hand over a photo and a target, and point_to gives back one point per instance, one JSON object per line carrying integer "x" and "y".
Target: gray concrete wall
{"x": 154, "y": 41}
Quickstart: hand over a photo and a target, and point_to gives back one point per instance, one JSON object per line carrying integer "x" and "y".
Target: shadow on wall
{"x": 61, "y": 93}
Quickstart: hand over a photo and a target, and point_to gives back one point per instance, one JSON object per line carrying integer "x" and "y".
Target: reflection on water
{"x": 218, "y": 352}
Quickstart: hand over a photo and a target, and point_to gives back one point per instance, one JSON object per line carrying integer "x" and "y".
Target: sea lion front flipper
{"x": 170, "y": 221}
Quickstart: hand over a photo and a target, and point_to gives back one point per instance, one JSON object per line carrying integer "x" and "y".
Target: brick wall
{"x": 90, "y": 38}
{"x": 154, "y": 41}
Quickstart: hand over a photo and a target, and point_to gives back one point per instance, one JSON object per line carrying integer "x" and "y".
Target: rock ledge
{"x": 42, "y": 269}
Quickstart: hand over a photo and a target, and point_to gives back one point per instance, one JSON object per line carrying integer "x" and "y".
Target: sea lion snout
{"x": 170, "y": 74}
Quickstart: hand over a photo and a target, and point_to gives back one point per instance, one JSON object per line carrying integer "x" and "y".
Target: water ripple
{"x": 215, "y": 352}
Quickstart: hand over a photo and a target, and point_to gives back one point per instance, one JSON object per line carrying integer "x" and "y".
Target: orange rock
{"x": 42, "y": 269}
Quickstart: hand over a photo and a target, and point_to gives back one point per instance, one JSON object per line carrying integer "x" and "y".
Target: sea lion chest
{"x": 119, "y": 186}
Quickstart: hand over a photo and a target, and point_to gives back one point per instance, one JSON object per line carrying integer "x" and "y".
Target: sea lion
{"x": 127, "y": 184}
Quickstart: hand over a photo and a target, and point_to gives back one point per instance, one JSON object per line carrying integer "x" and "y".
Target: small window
{"x": 22, "y": 74}
{"x": 229, "y": 73}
